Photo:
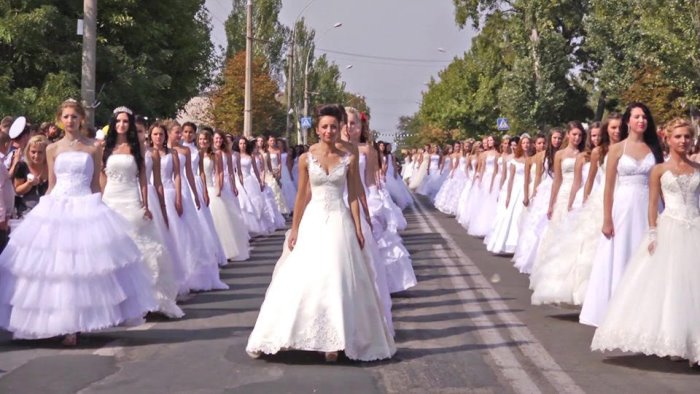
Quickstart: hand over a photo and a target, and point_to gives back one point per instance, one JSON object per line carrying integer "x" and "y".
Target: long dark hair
{"x": 605, "y": 136}
{"x": 650, "y": 138}
{"x": 224, "y": 143}
{"x": 551, "y": 150}
{"x": 132, "y": 138}
{"x": 249, "y": 145}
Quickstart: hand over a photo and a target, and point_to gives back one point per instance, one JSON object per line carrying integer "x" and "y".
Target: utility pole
{"x": 290, "y": 86}
{"x": 247, "y": 111}
{"x": 87, "y": 80}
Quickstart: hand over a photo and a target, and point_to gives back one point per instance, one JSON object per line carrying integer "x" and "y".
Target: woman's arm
{"x": 510, "y": 184}
{"x": 578, "y": 179}
{"x": 495, "y": 172}
{"x": 203, "y": 179}
{"x": 353, "y": 202}
{"x": 526, "y": 181}
{"x": 254, "y": 164}
{"x": 219, "y": 173}
{"x": 177, "y": 178}
{"x": 653, "y": 209}
{"x": 609, "y": 191}
{"x": 592, "y": 172}
{"x": 97, "y": 173}
{"x": 556, "y": 184}
{"x": 300, "y": 202}
{"x": 158, "y": 183}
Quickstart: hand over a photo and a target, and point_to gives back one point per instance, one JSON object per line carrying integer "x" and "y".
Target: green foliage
{"x": 151, "y": 56}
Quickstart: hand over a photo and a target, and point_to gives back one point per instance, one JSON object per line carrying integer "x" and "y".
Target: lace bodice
{"x": 166, "y": 170}
{"x": 633, "y": 172}
{"x": 209, "y": 171}
{"x": 122, "y": 178}
{"x": 328, "y": 188}
{"x": 74, "y": 171}
{"x": 681, "y": 193}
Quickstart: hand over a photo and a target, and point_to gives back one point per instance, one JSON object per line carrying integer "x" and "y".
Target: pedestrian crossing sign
{"x": 502, "y": 124}
{"x": 306, "y": 122}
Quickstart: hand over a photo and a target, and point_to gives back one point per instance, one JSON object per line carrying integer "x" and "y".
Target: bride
{"x": 321, "y": 297}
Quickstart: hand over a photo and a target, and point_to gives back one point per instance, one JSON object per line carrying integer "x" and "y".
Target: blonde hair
{"x": 677, "y": 123}
{"x": 37, "y": 140}
{"x": 475, "y": 147}
{"x": 70, "y": 103}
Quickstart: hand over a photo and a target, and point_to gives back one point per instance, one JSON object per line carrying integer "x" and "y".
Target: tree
{"x": 228, "y": 100}
{"x": 152, "y": 56}
{"x": 325, "y": 83}
{"x": 270, "y": 36}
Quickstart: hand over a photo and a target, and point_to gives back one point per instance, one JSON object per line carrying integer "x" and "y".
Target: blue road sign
{"x": 306, "y": 122}
{"x": 502, "y": 124}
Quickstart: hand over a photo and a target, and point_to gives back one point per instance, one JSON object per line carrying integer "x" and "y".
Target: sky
{"x": 393, "y": 46}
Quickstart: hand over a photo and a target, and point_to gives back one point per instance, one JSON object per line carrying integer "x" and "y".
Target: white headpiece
{"x": 121, "y": 109}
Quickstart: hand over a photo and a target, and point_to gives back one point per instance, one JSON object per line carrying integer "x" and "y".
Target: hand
{"x": 526, "y": 202}
{"x": 147, "y": 214}
{"x": 360, "y": 238}
{"x": 178, "y": 207}
{"x": 652, "y": 247}
{"x": 292, "y": 240}
{"x": 4, "y": 225}
{"x": 197, "y": 204}
{"x": 608, "y": 229}
{"x": 549, "y": 213}
{"x": 507, "y": 202}
{"x": 218, "y": 194}
{"x": 235, "y": 190}
{"x": 206, "y": 198}
{"x": 262, "y": 187}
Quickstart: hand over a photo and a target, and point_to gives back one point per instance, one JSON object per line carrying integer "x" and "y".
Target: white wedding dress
{"x": 122, "y": 195}
{"x": 322, "y": 297}
{"x": 655, "y": 309}
{"x": 70, "y": 265}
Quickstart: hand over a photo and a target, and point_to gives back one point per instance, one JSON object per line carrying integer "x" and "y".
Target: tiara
{"x": 70, "y": 100}
{"x": 121, "y": 109}
{"x": 525, "y": 135}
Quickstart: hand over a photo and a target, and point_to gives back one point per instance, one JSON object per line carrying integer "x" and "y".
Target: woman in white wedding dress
{"x": 321, "y": 297}
{"x": 70, "y": 265}
{"x": 655, "y": 309}
{"x": 625, "y": 208}
{"x": 121, "y": 180}
{"x": 234, "y": 238}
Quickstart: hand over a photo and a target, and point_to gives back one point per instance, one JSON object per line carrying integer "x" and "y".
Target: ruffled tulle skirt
{"x": 322, "y": 296}
{"x": 418, "y": 176}
{"x": 393, "y": 215}
{"x": 206, "y": 221}
{"x": 252, "y": 207}
{"x": 656, "y": 306}
{"x": 69, "y": 267}
{"x": 481, "y": 221}
{"x": 398, "y": 191}
{"x": 533, "y": 226}
{"x": 467, "y": 203}
{"x": 446, "y": 199}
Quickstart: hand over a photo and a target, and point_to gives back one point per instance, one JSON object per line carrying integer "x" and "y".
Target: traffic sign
{"x": 306, "y": 122}
{"x": 502, "y": 124}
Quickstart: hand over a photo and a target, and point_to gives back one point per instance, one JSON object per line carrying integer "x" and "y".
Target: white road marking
{"x": 529, "y": 346}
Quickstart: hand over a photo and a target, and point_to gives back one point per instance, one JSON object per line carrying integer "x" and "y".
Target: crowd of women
{"x": 107, "y": 230}
{"x": 604, "y": 217}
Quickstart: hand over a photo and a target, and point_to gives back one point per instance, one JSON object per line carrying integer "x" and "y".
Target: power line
{"x": 397, "y": 59}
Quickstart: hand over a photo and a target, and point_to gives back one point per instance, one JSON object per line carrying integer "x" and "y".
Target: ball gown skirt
{"x": 505, "y": 234}
{"x": 533, "y": 227}
{"x": 481, "y": 222}
{"x": 276, "y": 192}
{"x": 655, "y": 307}
{"x": 500, "y": 206}
{"x": 322, "y": 296}
{"x": 406, "y": 171}
{"x": 70, "y": 265}
{"x": 449, "y": 193}
{"x": 251, "y": 208}
{"x": 419, "y": 175}
{"x": 467, "y": 203}
{"x": 395, "y": 219}
{"x": 122, "y": 195}
{"x": 398, "y": 191}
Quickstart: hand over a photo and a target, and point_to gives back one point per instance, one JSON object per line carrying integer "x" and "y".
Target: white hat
{"x": 17, "y": 127}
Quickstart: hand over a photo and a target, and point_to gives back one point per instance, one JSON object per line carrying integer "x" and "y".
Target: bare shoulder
{"x": 659, "y": 169}
{"x": 616, "y": 148}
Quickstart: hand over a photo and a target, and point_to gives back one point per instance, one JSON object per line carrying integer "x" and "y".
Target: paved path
{"x": 467, "y": 327}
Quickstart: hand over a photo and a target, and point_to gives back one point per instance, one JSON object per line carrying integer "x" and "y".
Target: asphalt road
{"x": 468, "y": 327}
